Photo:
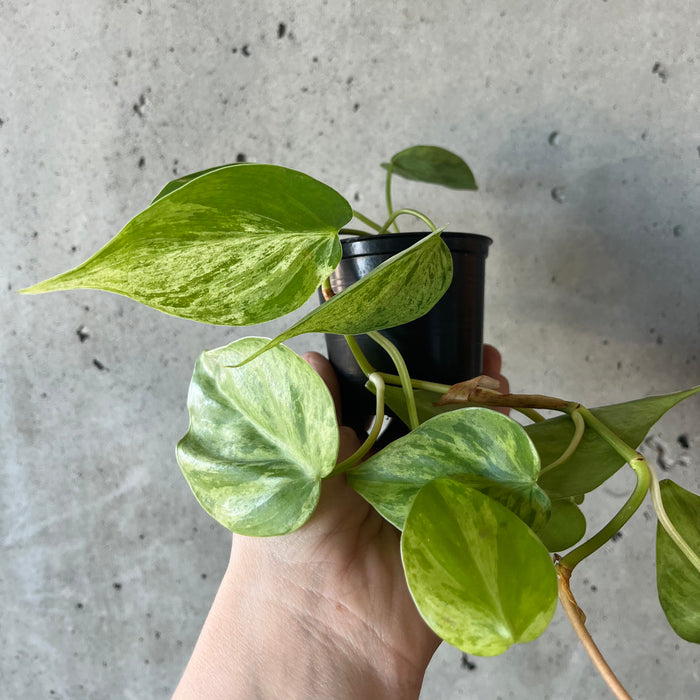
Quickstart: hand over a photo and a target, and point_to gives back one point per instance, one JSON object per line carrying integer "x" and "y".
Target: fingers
{"x": 324, "y": 369}
{"x": 492, "y": 361}
{"x": 492, "y": 367}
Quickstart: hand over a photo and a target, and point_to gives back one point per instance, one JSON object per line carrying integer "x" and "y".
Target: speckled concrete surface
{"x": 580, "y": 121}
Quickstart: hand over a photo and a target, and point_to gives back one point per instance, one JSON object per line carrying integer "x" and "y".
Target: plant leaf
{"x": 180, "y": 181}
{"x": 594, "y": 460}
{"x": 565, "y": 527}
{"x": 479, "y": 576}
{"x": 399, "y": 290}
{"x": 261, "y": 438}
{"x": 434, "y": 165}
{"x": 242, "y": 244}
{"x": 482, "y": 448}
{"x": 678, "y": 581}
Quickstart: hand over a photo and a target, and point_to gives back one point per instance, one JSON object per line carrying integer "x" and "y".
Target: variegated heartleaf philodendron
{"x": 480, "y": 499}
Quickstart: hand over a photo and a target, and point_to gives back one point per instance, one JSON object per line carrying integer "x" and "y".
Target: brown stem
{"x": 578, "y": 622}
{"x": 493, "y": 398}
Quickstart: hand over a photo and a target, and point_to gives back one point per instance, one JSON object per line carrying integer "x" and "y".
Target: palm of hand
{"x": 341, "y": 576}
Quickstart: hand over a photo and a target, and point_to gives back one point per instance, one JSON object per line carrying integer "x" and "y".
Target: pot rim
{"x": 353, "y": 244}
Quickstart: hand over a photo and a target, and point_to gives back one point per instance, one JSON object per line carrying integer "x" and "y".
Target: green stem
{"x": 326, "y": 289}
{"x": 366, "y": 220}
{"x": 404, "y": 376}
{"x": 395, "y": 380}
{"x": 641, "y": 469}
{"x": 666, "y": 523}
{"x": 532, "y": 414}
{"x": 410, "y": 212}
{"x": 367, "y": 445}
{"x": 579, "y": 430}
{"x": 359, "y": 356}
{"x": 389, "y": 205}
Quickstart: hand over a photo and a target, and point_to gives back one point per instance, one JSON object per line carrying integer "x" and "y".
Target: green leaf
{"x": 399, "y": 290}
{"x": 678, "y": 581}
{"x": 180, "y": 181}
{"x": 481, "y": 448}
{"x": 261, "y": 438}
{"x": 565, "y": 527}
{"x": 594, "y": 461}
{"x": 434, "y": 165}
{"x": 242, "y": 244}
{"x": 479, "y": 576}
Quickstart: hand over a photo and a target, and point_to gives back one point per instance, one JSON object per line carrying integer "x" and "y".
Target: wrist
{"x": 270, "y": 637}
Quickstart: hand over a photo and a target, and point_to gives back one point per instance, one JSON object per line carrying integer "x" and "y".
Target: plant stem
{"x": 411, "y": 212}
{"x": 366, "y": 220}
{"x": 326, "y": 289}
{"x": 436, "y": 388}
{"x": 389, "y": 205}
{"x": 416, "y": 383}
{"x": 578, "y": 622}
{"x": 359, "y": 356}
{"x": 366, "y": 446}
{"x": 489, "y": 397}
{"x": 576, "y": 556}
{"x": 666, "y": 523}
{"x": 405, "y": 377}
{"x": 641, "y": 469}
{"x": 579, "y": 429}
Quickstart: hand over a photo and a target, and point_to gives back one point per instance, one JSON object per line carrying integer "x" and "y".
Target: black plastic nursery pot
{"x": 445, "y": 345}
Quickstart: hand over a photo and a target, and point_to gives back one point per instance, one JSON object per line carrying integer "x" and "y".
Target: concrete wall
{"x": 580, "y": 121}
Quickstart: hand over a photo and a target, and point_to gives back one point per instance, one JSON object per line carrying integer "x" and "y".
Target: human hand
{"x": 323, "y": 612}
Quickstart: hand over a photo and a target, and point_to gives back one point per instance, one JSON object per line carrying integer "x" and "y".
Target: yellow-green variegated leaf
{"x": 238, "y": 245}
{"x": 479, "y": 447}
{"x": 594, "y": 461}
{"x": 480, "y": 577}
{"x": 261, "y": 438}
{"x": 677, "y": 579}
{"x": 398, "y": 291}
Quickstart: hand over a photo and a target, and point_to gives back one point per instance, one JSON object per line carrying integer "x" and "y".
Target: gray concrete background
{"x": 580, "y": 121}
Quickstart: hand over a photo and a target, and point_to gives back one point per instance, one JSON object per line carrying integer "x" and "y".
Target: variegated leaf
{"x": 399, "y": 290}
{"x": 480, "y": 447}
{"x": 238, "y": 245}
{"x": 261, "y": 438}
{"x": 479, "y": 576}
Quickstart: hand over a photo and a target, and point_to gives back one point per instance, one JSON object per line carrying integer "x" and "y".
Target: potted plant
{"x": 482, "y": 502}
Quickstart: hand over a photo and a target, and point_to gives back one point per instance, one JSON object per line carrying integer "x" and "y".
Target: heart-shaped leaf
{"x": 261, "y": 438}
{"x": 181, "y": 181}
{"x": 479, "y": 447}
{"x": 434, "y": 165}
{"x": 594, "y": 461}
{"x": 242, "y": 244}
{"x": 399, "y": 290}
{"x": 480, "y": 578}
{"x": 677, "y": 580}
{"x": 565, "y": 527}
